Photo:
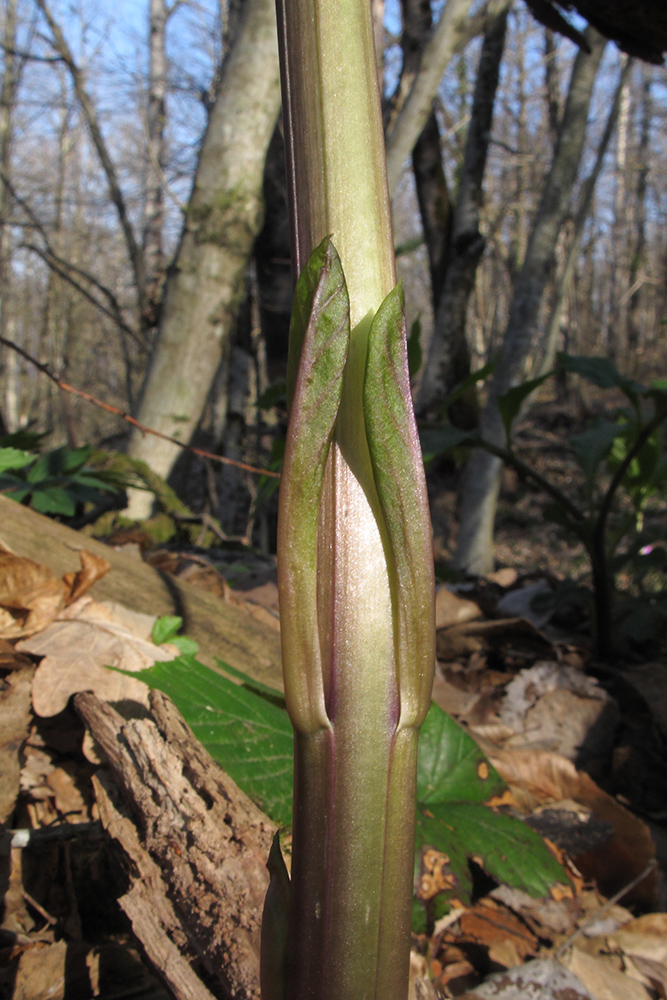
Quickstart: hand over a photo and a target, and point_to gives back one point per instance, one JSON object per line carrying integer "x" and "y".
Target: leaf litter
{"x": 502, "y": 942}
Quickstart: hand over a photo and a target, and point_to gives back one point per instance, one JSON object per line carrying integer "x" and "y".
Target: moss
{"x": 167, "y": 523}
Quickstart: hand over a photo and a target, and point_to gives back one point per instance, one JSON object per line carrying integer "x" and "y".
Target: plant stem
{"x": 354, "y": 557}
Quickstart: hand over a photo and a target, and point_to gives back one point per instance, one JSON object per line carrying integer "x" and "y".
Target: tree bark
{"x": 580, "y": 218}
{"x": 449, "y": 36}
{"x": 194, "y": 848}
{"x": 224, "y": 215}
{"x": 638, "y": 262}
{"x": 479, "y": 492}
{"x": 430, "y": 180}
{"x": 449, "y": 356}
{"x": 10, "y": 409}
{"x": 154, "y": 193}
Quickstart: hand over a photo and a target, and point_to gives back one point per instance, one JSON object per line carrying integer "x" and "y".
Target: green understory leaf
{"x": 451, "y": 767}
{"x": 247, "y": 731}
{"x": 503, "y": 846}
{"x": 510, "y": 402}
{"x": 249, "y": 737}
{"x": 14, "y": 458}
{"x": 593, "y": 444}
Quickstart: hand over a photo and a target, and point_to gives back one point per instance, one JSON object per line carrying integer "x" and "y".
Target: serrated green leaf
{"x": 165, "y": 628}
{"x": 510, "y": 402}
{"x": 23, "y": 440}
{"x": 14, "y": 458}
{"x": 443, "y": 836}
{"x": 263, "y": 690}
{"x": 451, "y": 766}
{"x": 504, "y": 846}
{"x": 52, "y": 500}
{"x": 248, "y": 736}
{"x": 601, "y": 372}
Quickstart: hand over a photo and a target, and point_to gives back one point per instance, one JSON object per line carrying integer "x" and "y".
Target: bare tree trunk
{"x": 430, "y": 179}
{"x": 551, "y": 85}
{"x": 154, "y": 185}
{"x": 10, "y": 414}
{"x": 224, "y": 215}
{"x": 582, "y": 214}
{"x": 638, "y": 261}
{"x": 449, "y": 356}
{"x": 450, "y": 34}
{"x": 479, "y": 492}
{"x": 617, "y": 316}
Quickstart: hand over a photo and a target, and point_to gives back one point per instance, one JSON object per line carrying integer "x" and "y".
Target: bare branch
{"x": 60, "y": 45}
{"x": 66, "y": 387}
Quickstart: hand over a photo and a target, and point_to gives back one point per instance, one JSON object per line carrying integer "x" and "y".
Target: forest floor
{"x": 581, "y": 744}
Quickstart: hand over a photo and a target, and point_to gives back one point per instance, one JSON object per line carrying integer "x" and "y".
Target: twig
{"x": 605, "y": 907}
{"x": 65, "y": 387}
{"x": 40, "y": 909}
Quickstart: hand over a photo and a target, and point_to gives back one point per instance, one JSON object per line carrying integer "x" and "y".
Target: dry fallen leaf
{"x": 536, "y": 777}
{"x": 539, "y": 980}
{"x": 77, "y": 651}
{"x": 603, "y": 979}
{"x": 92, "y": 569}
{"x": 31, "y": 596}
{"x": 14, "y": 722}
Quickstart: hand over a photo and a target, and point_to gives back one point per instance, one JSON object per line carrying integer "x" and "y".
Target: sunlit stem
{"x": 355, "y": 694}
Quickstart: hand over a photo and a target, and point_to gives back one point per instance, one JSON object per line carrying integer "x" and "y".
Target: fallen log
{"x": 193, "y": 847}
{"x": 222, "y": 629}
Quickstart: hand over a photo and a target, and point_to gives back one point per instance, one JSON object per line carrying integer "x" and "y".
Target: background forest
{"x": 144, "y": 232}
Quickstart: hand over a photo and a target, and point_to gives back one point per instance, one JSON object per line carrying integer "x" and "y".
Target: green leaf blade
{"x": 248, "y": 736}
{"x": 451, "y": 767}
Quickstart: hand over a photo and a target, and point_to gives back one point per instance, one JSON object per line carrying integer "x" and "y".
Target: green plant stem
{"x": 512, "y": 459}
{"x": 358, "y": 642}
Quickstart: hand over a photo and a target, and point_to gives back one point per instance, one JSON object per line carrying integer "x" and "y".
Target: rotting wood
{"x": 195, "y": 849}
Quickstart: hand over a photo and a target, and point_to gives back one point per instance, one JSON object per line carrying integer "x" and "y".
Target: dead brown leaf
{"x": 77, "y": 652}
{"x": 537, "y": 777}
{"x": 452, "y": 609}
{"x": 31, "y": 596}
{"x": 546, "y": 979}
{"x": 14, "y": 722}
{"x": 602, "y": 977}
{"x": 93, "y": 568}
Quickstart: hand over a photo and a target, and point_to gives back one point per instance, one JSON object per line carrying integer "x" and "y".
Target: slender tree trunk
{"x": 479, "y": 491}
{"x": 427, "y": 165}
{"x": 10, "y": 414}
{"x": 450, "y": 34}
{"x": 582, "y": 214}
{"x": 60, "y": 45}
{"x": 449, "y": 356}
{"x": 618, "y": 314}
{"x": 224, "y": 215}
{"x": 153, "y": 254}
{"x": 638, "y": 262}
